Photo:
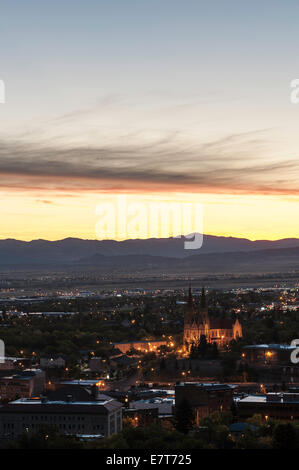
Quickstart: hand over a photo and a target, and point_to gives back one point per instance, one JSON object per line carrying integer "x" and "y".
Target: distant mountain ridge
{"x": 169, "y": 251}
{"x": 271, "y": 260}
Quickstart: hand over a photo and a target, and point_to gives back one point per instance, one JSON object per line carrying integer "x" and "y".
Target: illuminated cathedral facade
{"x": 198, "y": 323}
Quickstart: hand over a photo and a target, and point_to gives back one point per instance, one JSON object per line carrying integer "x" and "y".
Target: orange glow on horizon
{"x": 54, "y": 215}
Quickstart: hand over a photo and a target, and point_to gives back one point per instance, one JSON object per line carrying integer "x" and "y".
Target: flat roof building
{"x": 98, "y": 417}
{"x": 204, "y": 399}
{"x": 26, "y": 384}
{"x": 268, "y": 354}
{"x": 283, "y": 406}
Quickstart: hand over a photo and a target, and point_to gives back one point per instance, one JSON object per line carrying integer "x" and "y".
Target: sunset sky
{"x": 165, "y": 101}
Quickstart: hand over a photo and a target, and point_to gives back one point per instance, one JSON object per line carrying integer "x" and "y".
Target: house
{"x": 237, "y": 430}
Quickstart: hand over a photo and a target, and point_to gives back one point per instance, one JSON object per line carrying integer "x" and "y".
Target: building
{"x": 237, "y": 430}
{"x": 54, "y": 361}
{"x": 24, "y": 384}
{"x": 268, "y": 354}
{"x": 99, "y": 417}
{"x": 74, "y": 392}
{"x": 96, "y": 364}
{"x": 86, "y": 384}
{"x": 14, "y": 363}
{"x": 197, "y": 323}
{"x": 148, "y": 411}
{"x": 141, "y": 417}
{"x": 284, "y": 406}
{"x": 163, "y": 405}
{"x": 143, "y": 346}
{"x": 118, "y": 365}
{"x": 10, "y": 363}
{"x": 204, "y": 399}
{"x": 52, "y": 314}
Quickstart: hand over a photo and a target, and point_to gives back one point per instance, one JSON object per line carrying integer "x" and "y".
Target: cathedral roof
{"x": 221, "y": 324}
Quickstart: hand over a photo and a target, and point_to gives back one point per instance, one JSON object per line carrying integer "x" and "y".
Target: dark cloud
{"x": 235, "y": 163}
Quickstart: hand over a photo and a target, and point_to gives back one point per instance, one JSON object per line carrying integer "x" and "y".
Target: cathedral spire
{"x": 204, "y": 313}
{"x": 203, "y": 301}
{"x": 190, "y": 298}
{"x": 190, "y": 312}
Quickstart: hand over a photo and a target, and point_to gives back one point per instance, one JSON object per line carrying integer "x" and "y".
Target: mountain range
{"x": 216, "y": 254}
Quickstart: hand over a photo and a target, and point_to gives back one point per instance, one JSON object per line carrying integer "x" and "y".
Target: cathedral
{"x": 198, "y": 323}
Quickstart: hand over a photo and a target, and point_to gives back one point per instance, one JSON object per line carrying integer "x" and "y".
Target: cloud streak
{"x": 170, "y": 162}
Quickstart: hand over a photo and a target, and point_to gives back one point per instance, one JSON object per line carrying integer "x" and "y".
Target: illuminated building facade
{"x": 143, "y": 346}
{"x": 197, "y": 323}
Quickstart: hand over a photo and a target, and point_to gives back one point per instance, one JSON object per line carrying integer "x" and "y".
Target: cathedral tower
{"x": 204, "y": 315}
{"x": 190, "y": 323}
{"x": 197, "y": 323}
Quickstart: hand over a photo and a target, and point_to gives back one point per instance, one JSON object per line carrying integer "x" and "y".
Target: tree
{"x": 249, "y": 440}
{"x": 285, "y": 437}
{"x": 215, "y": 352}
{"x": 184, "y": 417}
{"x": 193, "y": 351}
{"x": 203, "y": 345}
{"x": 46, "y": 437}
{"x": 233, "y": 409}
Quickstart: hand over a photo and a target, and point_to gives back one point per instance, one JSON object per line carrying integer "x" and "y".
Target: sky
{"x": 160, "y": 102}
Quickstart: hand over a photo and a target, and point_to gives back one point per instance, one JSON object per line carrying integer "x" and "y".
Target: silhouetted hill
{"x": 216, "y": 253}
{"x": 284, "y": 259}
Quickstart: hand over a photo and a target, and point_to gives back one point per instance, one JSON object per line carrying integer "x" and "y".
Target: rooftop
{"x": 277, "y": 347}
{"x": 253, "y": 399}
{"x": 31, "y": 405}
{"x": 24, "y": 375}
{"x": 207, "y": 386}
{"x": 272, "y": 398}
{"x": 164, "y": 406}
{"x": 82, "y": 382}
{"x": 32, "y": 401}
{"x": 241, "y": 427}
{"x": 142, "y": 342}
